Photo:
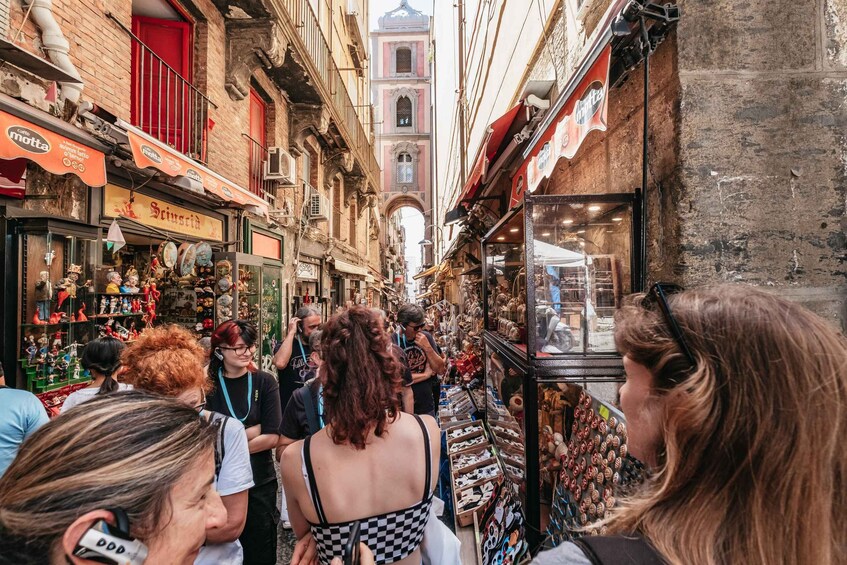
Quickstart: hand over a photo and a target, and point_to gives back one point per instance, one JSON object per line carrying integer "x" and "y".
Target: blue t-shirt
{"x": 21, "y": 415}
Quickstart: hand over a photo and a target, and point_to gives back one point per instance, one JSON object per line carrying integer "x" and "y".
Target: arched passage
{"x": 397, "y": 201}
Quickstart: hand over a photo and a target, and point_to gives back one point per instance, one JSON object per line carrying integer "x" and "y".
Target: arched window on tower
{"x": 404, "y": 112}
{"x": 405, "y": 172}
{"x": 403, "y": 60}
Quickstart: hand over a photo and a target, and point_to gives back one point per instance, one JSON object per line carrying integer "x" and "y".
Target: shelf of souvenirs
{"x": 57, "y": 324}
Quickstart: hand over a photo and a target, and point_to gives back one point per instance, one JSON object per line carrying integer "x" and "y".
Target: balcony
{"x": 355, "y": 20}
{"x": 166, "y": 105}
{"x": 309, "y": 41}
{"x": 258, "y": 185}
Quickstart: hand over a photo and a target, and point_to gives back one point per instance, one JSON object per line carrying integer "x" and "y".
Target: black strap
{"x": 310, "y": 408}
{"x": 428, "y": 457}
{"x": 219, "y": 423}
{"x": 313, "y": 486}
{"x": 619, "y": 550}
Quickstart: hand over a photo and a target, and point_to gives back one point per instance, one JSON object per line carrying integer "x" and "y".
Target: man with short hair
{"x": 422, "y": 354}
{"x": 292, "y": 356}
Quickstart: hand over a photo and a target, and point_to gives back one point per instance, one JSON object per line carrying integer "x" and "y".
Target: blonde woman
{"x": 737, "y": 401}
{"x": 130, "y": 468}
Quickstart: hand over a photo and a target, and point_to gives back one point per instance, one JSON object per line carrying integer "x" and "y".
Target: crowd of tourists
{"x": 735, "y": 400}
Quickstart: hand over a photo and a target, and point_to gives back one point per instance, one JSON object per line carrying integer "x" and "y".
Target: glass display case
{"x": 555, "y": 272}
{"x": 249, "y": 287}
{"x": 57, "y": 263}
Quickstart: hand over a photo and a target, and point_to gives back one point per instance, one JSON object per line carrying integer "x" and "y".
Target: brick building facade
{"x": 233, "y": 82}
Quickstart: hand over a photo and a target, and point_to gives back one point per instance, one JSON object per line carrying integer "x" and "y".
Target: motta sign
{"x": 53, "y": 152}
{"x": 585, "y": 111}
{"x": 28, "y": 140}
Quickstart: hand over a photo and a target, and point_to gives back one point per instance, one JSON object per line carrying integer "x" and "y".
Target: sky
{"x": 410, "y": 218}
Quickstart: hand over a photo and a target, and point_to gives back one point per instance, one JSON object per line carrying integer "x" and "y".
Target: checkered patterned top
{"x": 391, "y": 536}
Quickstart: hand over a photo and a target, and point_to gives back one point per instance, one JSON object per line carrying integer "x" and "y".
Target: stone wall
{"x": 763, "y": 147}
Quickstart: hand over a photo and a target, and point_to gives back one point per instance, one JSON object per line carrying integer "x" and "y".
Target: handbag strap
{"x": 619, "y": 550}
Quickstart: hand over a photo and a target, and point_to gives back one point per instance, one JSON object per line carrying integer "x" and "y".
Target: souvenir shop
{"x": 536, "y": 446}
{"x": 120, "y": 250}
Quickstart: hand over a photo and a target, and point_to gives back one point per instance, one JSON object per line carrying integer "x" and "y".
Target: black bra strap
{"x": 428, "y": 457}
{"x": 313, "y": 485}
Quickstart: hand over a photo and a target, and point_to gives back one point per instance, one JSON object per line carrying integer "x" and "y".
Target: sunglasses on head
{"x": 658, "y": 295}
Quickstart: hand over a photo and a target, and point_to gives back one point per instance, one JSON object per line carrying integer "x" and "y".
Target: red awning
{"x": 150, "y": 152}
{"x": 56, "y": 146}
{"x": 488, "y": 152}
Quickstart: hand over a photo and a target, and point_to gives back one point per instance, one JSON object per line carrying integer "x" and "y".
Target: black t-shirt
{"x": 416, "y": 363}
{"x": 297, "y": 372}
{"x": 264, "y": 410}
{"x": 295, "y": 422}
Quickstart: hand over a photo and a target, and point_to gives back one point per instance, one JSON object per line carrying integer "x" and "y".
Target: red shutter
{"x": 256, "y": 146}
{"x": 162, "y": 103}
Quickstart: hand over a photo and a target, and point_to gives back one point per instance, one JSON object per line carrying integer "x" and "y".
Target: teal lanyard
{"x": 226, "y": 394}
{"x": 302, "y": 351}
{"x": 321, "y": 406}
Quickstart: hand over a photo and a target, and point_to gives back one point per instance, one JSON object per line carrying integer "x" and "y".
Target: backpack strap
{"x": 619, "y": 550}
{"x": 310, "y": 408}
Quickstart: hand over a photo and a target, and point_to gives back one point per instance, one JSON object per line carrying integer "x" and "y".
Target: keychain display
{"x": 596, "y": 469}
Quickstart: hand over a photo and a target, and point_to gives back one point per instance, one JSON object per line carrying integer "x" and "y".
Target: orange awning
{"x": 54, "y": 152}
{"x": 488, "y": 152}
{"x": 150, "y": 152}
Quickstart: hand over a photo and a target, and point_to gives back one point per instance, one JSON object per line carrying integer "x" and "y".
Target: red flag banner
{"x": 585, "y": 111}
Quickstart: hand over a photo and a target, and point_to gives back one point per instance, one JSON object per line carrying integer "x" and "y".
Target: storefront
{"x": 308, "y": 278}
{"x": 349, "y": 283}
{"x": 547, "y": 441}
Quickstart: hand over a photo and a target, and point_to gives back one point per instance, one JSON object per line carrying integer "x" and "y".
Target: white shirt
{"x": 235, "y": 476}
{"x": 84, "y": 395}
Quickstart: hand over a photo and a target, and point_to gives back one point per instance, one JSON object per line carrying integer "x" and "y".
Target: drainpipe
{"x": 55, "y": 45}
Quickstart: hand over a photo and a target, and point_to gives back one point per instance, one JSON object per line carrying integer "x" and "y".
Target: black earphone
{"x": 113, "y": 545}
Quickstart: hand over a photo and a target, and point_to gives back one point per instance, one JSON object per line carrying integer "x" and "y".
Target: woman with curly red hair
{"x": 169, "y": 361}
{"x": 339, "y": 475}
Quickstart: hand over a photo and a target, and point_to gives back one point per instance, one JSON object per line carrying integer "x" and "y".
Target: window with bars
{"x": 403, "y": 60}
{"x": 404, "y": 112}
{"x": 405, "y": 168}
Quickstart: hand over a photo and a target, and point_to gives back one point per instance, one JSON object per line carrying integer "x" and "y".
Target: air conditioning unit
{"x": 318, "y": 205}
{"x": 280, "y": 166}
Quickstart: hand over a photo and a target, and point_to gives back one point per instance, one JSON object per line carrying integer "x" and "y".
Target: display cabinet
{"x": 56, "y": 263}
{"x": 555, "y": 270}
{"x": 248, "y": 287}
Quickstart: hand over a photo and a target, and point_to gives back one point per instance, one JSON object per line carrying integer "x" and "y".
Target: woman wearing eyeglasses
{"x": 251, "y": 397}
{"x": 169, "y": 361}
{"x": 735, "y": 400}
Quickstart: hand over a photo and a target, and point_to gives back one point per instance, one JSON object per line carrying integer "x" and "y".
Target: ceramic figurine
{"x": 43, "y": 295}
{"x": 150, "y": 314}
{"x": 68, "y": 286}
{"x": 125, "y": 305}
{"x": 103, "y": 303}
{"x": 135, "y": 306}
{"x": 114, "y": 282}
{"x": 154, "y": 294}
{"x": 31, "y": 349}
{"x": 114, "y": 304}
{"x": 130, "y": 285}
{"x": 38, "y": 321}
{"x": 80, "y": 315}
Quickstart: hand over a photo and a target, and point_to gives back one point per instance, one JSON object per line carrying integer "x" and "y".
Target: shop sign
{"x": 307, "y": 271}
{"x": 53, "y": 152}
{"x": 160, "y": 214}
{"x": 585, "y": 111}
